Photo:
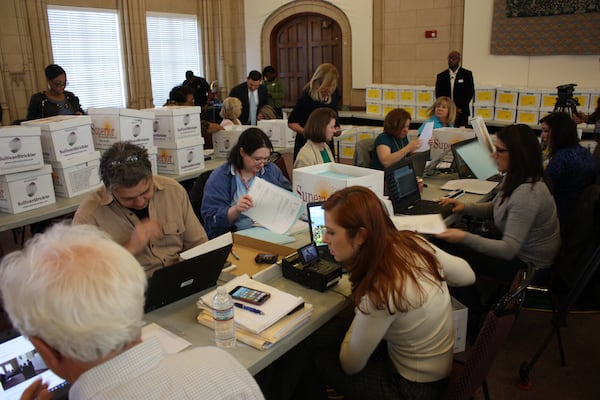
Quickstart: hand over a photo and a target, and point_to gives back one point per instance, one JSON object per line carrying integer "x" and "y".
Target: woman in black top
{"x": 55, "y": 100}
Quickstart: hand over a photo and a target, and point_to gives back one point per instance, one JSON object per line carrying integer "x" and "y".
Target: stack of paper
{"x": 269, "y": 336}
{"x": 274, "y": 309}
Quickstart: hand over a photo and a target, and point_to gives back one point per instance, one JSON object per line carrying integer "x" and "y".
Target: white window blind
{"x": 173, "y": 46}
{"x": 86, "y": 42}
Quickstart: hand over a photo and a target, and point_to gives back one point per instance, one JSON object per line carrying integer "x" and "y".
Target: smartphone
{"x": 264, "y": 258}
{"x": 249, "y": 295}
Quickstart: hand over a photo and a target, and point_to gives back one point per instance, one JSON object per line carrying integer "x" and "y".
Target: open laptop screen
{"x": 21, "y": 365}
{"x": 472, "y": 157}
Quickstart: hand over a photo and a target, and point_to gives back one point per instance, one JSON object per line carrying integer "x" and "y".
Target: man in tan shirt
{"x": 151, "y": 216}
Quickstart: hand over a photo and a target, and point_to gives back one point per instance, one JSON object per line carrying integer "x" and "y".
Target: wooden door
{"x": 299, "y": 45}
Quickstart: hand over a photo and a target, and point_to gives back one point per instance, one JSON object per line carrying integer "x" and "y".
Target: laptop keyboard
{"x": 428, "y": 207}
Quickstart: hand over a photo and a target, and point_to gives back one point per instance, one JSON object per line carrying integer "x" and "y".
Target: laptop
{"x": 419, "y": 161}
{"x": 473, "y": 160}
{"x": 316, "y": 228}
{"x": 403, "y": 189}
{"x": 185, "y": 278}
{"x": 22, "y": 365}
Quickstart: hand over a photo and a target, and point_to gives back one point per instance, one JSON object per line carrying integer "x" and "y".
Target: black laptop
{"x": 473, "y": 160}
{"x": 22, "y": 365}
{"x": 403, "y": 191}
{"x": 185, "y": 278}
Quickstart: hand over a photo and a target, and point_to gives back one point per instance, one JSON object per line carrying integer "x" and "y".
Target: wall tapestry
{"x": 567, "y": 34}
{"x": 538, "y": 8}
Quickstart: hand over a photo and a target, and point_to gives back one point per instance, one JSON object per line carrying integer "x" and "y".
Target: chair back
{"x": 466, "y": 379}
{"x": 197, "y": 192}
{"x": 362, "y": 153}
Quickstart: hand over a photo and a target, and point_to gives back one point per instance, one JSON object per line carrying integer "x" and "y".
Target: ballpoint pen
{"x": 234, "y": 254}
{"x": 248, "y": 308}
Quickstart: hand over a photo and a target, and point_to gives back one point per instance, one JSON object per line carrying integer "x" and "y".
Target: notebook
{"x": 185, "y": 278}
{"x": 404, "y": 191}
{"x": 22, "y": 365}
{"x": 473, "y": 160}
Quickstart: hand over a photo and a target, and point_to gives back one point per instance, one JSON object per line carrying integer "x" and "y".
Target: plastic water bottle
{"x": 223, "y": 316}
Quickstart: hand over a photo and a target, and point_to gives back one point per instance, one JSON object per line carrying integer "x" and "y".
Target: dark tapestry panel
{"x": 538, "y": 8}
{"x": 574, "y": 34}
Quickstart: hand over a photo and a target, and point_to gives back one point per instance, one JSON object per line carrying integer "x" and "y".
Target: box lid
{"x": 59, "y": 122}
{"x": 19, "y": 176}
{"x": 183, "y": 143}
{"x": 80, "y": 159}
{"x": 175, "y": 110}
{"x": 17, "y": 130}
{"x": 127, "y": 112}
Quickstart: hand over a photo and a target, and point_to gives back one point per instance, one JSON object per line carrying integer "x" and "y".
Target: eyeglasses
{"x": 60, "y": 83}
{"x": 501, "y": 150}
{"x": 274, "y": 156}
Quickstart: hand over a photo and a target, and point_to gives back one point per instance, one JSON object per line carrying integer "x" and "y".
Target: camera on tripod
{"x": 565, "y": 102}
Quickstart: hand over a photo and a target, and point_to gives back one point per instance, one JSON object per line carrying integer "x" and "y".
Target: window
{"x": 86, "y": 42}
{"x": 173, "y": 47}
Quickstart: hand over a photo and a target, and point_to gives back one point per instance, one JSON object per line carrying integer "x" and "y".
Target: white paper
{"x": 427, "y": 223}
{"x": 276, "y": 307}
{"x": 426, "y": 134}
{"x": 274, "y": 208}
{"x": 170, "y": 342}
{"x": 476, "y": 186}
{"x": 206, "y": 247}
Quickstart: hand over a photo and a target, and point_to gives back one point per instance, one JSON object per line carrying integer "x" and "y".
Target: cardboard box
{"x": 183, "y": 156}
{"x": 26, "y": 191}
{"x": 506, "y": 97}
{"x": 111, "y": 125}
{"x": 425, "y": 95}
{"x": 318, "y": 182}
{"x": 223, "y": 141}
{"x": 529, "y": 117}
{"x": 485, "y": 112}
{"x": 407, "y": 95}
{"x": 373, "y": 93}
{"x": 583, "y": 97}
{"x": 411, "y": 108}
{"x": 460, "y": 314}
{"x": 20, "y": 149}
{"x": 64, "y": 136}
{"x": 374, "y": 108}
{"x": 347, "y": 151}
{"x": 277, "y": 130}
{"x": 173, "y": 123}
{"x": 422, "y": 112}
{"x": 390, "y": 94}
{"x": 76, "y": 175}
{"x": 153, "y": 155}
{"x": 548, "y": 99}
{"x": 247, "y": 248}
{"x": 505, "y": 114}
{"x": 594, "y": 96}
{"x": 387, "y": 107}
{"x": 485, "y": 96}
{"x": 529, "y": 99}
{"x": 443, "y": 138}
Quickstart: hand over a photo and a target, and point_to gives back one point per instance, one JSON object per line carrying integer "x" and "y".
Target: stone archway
{"x": 318, "y": 7}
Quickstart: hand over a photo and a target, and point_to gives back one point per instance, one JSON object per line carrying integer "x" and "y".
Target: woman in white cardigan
{"x": 319, "y": 129}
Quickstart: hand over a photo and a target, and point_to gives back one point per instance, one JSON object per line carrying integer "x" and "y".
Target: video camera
{"x": 565, "y": 100}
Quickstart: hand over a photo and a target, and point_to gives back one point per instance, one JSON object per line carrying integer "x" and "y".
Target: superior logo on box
{"x": 186, "y": 155}
{"x": 110, "y": 125}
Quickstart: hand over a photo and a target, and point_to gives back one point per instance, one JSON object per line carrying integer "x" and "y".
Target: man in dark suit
{"x": 200, "y": 87}
{"x": 456, "y": 83}
{"x": 252, "y": 95}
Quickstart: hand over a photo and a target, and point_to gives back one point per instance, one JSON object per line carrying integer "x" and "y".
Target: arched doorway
{"x": 317, "y": 11}
{"x": 299, "y": 44}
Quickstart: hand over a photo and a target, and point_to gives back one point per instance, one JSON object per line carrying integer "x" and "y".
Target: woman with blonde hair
{"x": 231, "y": 111}
{"x": 442, "y": 113}
{"x": 320, "y": 91}
{"x": 319, "y": 130}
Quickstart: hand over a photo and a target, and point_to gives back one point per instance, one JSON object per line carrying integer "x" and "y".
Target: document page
{"x": 476, "y": 186}
{"x": 274, "y": 208}
{"x": 426, "y": 134}
{"x": 206, "y": 247}
{"x": 428, "y": 223}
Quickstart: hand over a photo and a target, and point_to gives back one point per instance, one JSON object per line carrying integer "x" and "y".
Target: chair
{"x": 577, "y": 263}
{"x": 278, "y": 160}
{"x": 362, "y": 153}
{"x": 197, "y": 192}
{"x": 468, "y": 377}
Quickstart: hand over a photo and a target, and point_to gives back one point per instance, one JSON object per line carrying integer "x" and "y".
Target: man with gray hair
{"x": 151, "y": 216}
{"x": 79, "y": 297}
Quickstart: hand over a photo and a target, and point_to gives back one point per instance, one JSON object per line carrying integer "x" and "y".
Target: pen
{"x": 248, "y": 308}
{"x": 234, "y": 254}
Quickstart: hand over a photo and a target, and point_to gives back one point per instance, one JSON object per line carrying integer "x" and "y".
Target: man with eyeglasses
{"x": 457, "y": 83}
{"x": 151, "y": 216}
{"x": 55, "y": 100}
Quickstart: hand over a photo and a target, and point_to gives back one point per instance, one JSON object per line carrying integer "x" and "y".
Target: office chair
{"x": 467, "y": 377}
{"x": 362, "y": 153}
{"x": 577, "y": 263}
{"x": 197, "y": 192}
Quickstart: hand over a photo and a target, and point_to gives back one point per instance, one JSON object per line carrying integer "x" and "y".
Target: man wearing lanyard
{"x": 252, "y": 95}
{"x": 456, "y": 83}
